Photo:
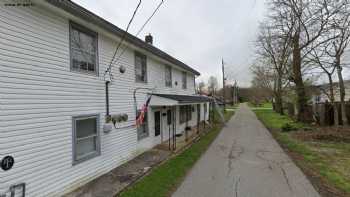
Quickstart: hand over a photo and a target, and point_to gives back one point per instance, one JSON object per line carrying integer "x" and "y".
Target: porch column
{"x": 186, "y": 132}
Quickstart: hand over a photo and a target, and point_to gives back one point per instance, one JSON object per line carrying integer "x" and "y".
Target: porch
{"x": 177, "y": 120}
{"x": 184, "y": 140}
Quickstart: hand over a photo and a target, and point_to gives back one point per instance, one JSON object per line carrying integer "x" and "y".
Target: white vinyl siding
{"x": 39, "y": 95}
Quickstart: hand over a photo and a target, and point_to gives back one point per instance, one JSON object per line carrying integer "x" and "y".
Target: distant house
{"x": 321, "y": 93}
{"x": 57, "y": 97}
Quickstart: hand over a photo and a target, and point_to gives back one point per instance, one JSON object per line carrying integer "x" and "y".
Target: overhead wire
{"x": 138, "y": 32}
{"x": 150, "y": 17}
{"x": 122, "y": 39}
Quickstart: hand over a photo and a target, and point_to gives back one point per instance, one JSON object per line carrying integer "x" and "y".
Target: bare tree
{"x": 262, "y": 83}
{"x": 201, "y": 86}
{"x": 320, "y": 60}
{"x": 274, "y": 46}
{"x": 328, "y": 55}
{"x": 307, "y": 20}
{"x": 340, "y": 32}
{"x": 212, "y": 85}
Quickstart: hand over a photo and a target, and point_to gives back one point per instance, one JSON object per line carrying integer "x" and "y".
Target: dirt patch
{"x": 327, "y": 134}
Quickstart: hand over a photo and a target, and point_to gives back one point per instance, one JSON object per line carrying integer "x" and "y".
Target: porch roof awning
{"x": 174, "y": 99}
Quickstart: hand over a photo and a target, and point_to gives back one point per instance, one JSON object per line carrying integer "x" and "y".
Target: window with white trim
{"x": 83, "y": 49}
{"x": 184, "y": 80}
{"x": 140, "y": 68}
{"x": 168, "y": 76}
{"x": 86, "y": 138}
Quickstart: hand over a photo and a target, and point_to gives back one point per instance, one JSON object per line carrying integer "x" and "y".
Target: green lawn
{"x": 165, "y": 178}
{"x": 267, "y": 105}
{"x": 274, "y": 120}
{"x": 232, "y": 106}
{"x": 261, "y": 106}
{"x": 329, "y": 160}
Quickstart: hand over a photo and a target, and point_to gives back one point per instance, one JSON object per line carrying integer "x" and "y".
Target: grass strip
{"x": 310, "y": 159}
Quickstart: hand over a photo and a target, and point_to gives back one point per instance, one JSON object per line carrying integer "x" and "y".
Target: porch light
{"x": 122, "y": 69}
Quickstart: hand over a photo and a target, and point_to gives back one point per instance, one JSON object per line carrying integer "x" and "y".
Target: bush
{"x": 287, "y": 127}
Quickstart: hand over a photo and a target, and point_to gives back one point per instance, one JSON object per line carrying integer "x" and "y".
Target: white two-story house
{"x": 57, "y": 96}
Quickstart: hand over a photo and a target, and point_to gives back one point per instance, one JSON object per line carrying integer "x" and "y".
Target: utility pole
{"x": 233, "y": 95}
{"x": 223, "y": 83}
{"x": 236, "y": 92}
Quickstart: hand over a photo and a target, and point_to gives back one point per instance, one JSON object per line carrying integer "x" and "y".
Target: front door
{"x": 198, "y": 113}
{"x": 157, "y": 123}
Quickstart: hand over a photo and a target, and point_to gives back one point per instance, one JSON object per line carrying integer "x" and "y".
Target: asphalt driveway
{"x": 245, "y": 161}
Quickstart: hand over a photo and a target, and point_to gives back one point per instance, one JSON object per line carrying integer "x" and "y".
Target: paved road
{"x": 245, "y": 161}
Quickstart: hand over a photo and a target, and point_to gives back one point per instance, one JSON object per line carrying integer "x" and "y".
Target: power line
{"x": 149, "y": 18}
{"x": 140, "y": 30}
{"x": 122, "y": 39}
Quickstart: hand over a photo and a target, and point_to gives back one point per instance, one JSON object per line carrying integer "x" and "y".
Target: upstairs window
{"x": 140, "y": 68}
{"x": 83, "y": 49}
{"x": 168, "y": 76}
{"x": 184, "y": 80}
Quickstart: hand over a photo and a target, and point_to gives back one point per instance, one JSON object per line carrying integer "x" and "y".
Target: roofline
{"x": 79, "y": 11}
{"x": 203, "y": 99}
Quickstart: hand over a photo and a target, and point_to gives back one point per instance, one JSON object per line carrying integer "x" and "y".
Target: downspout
{"x": 175, "y": 122}
{"x": 186, "y": 125}
{"x": 107, "y": 99}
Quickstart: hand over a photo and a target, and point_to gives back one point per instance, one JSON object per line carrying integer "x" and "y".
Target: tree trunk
{"x": 335, "y": 107}
{"x": 278, "y": 95}
{"x": 278, "y": 104}
{"x": 342, "y": 92}
{"x": 298, "y": 80}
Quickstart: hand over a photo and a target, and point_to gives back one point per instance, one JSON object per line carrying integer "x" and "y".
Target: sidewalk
{"x": 110, "y": 184}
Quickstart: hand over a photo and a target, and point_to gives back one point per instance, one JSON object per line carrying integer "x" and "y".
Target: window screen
{"x": 86, "y": 137}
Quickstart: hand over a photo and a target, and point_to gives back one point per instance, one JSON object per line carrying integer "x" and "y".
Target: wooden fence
{"x": 322, "y": 113}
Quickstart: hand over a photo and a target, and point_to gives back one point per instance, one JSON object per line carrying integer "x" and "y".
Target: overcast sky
{"x": 197, "y": 32}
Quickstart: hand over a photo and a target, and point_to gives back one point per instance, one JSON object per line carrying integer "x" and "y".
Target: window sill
{"x": 141, "y": 82}
{"x": 94, "y": 74}
{"x": 87, "y": 157}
